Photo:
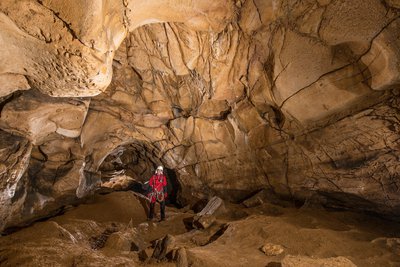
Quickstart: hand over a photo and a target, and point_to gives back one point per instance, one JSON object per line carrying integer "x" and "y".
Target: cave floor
{"x": 111, "y": 230}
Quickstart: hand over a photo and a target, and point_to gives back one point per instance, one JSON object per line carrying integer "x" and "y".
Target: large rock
{"x": 207, "y": 216}
{"x": 39, "y": 117}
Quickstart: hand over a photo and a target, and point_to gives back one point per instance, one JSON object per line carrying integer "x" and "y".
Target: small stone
{"x": 272, "y": 249}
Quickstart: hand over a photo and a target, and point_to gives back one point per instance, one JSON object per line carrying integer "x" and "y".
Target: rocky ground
{"x": 111, "y": 230}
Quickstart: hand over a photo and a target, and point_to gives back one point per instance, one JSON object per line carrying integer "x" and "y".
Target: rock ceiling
{"x": 298, "y": 96}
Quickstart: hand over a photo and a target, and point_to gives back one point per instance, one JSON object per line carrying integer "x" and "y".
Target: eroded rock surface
{"x": 110, "y": 229}
{"x": 233, "y": 97}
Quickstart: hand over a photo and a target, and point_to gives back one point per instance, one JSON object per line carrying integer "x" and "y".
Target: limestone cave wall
{"x": 297, "y": 96}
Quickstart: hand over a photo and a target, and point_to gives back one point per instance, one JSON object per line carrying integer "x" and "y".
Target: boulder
{"x": 207, "y": 216}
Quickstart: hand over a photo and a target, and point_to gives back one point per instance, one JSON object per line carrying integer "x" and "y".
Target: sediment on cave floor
{"x": 111, "y": 229}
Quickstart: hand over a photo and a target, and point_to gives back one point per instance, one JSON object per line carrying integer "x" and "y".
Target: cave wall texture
{"x": 234, "y": 96}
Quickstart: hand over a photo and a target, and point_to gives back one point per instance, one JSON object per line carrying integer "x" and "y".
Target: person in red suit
{"x": 158, "y": 192}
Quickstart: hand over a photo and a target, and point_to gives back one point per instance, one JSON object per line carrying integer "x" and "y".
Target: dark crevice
{"x": 173, "y": 188}
{"x": 342, "y": 201}
{"x": 279, "y": 118}
{"x": 7, "y": 99}
{"x": 218, "y": 234}
{"x": 223, "y": 115}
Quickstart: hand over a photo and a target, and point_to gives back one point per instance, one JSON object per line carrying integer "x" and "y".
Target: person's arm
{"x": 165, "y": 186}
{"x": 164, "y": 181}
{"x": 151, "y": 183}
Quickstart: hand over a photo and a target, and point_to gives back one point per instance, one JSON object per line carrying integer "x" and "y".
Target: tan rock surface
{"x": 38, "y": 116}
{"x": 69, "y": 49}
{"x": 300, "y": 261}
{"x": 233, "y": 97}
{"x": 110, "y": 229}
{"x": 272, "y": 249}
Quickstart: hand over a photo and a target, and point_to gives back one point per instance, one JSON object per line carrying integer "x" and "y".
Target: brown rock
{"x": 120, "y": 182}
{"x": 38, "y": 116}
{"x": 300, "y": 261}
{"x": 118, "y": 241}
{"x": 214, "y": 206}
{"x": 14, "y": 158}
{"x": 83, "y": 66}
{"x": 391, "y": 243}
{"x": 272, "y": 249}
{"x": 258, "y": 199}
{"x": 163, "y": 247}
{"x": 12, "y": 82}
{"x": 203, "y": 222}
{"x": 145, "y": 254}
{"x": 229, "y": 95}
{"x": 393, "y": 3}
{"x": 383, "y": 48}
{"x": 182, "y": 260}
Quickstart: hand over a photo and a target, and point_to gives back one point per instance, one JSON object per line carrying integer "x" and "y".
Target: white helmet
{"x": 160, "y": 168}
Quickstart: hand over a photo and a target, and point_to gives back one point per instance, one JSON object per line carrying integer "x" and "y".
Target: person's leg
{"x": 162, "y": 210}
{"x": 151, "y": 213}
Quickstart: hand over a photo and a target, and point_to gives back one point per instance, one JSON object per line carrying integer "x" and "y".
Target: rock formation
{"x": 297, "y": 96}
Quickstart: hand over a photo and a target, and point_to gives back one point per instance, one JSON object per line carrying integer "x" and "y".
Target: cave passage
{"x": 129, "y": 167}
{"x": 173, "y": 187}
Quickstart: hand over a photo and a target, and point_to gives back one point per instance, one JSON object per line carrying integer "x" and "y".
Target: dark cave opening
{"x": 129, "y": 167}
{"x": 173, "y": 187}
